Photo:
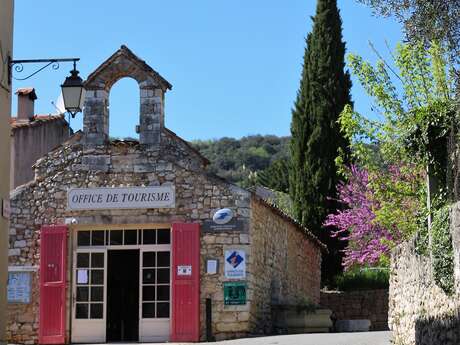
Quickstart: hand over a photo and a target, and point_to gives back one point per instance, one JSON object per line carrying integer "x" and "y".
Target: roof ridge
{"x": 36, "y": 120}
{"x": 291, "y": 219}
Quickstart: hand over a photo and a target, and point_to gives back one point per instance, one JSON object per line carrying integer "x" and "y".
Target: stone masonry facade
{"x": 283, "y": 260}
{"x": 43, "y": 201}
{"x": 284, "y": 265}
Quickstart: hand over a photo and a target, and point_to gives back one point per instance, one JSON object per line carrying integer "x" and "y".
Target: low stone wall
{"x": 355, "y": 305}
{"x": 420, "y": 313}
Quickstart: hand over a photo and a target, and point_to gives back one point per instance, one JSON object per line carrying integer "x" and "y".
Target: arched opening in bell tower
{"x": 123, "y": 106}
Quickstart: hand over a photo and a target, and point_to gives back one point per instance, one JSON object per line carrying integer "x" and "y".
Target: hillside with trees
{"x": 253, "y": 159}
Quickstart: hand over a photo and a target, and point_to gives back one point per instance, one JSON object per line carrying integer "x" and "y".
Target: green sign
{"x": 234, "y": 293}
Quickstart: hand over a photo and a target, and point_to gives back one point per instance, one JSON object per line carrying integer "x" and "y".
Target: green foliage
{"x": 275, "y": 176}
{"x": 412, "y": 122}
{"x": 241, "y": 160}
{"x": 307, "y": 306}
{"x": 324, "y": 91}
{"x": 316, "y": 138}
{"x": 362, "y": 279}
{"x": 425, "y": 20}
{"x": 442, "y": 250}
{"x": 411, "y": 133}
{"x": 283, "y": 202}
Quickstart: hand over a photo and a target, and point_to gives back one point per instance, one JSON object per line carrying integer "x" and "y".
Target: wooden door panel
{"x": 53, "y": 257}
{"x": 185, "y": 282}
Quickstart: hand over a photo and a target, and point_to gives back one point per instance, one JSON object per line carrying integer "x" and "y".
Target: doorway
{"x": 123, "y": 295}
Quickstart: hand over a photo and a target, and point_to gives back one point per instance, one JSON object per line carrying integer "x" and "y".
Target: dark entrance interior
{"x": 123, "y": 295}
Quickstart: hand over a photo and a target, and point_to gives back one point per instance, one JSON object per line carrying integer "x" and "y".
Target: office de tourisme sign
{"x": 121, "y": 198}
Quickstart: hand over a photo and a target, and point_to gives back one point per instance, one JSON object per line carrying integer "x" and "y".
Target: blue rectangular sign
{"x": 19, "y": 287}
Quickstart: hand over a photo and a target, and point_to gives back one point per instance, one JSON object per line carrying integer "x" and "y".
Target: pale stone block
{"x": 20, "y": 244}
{"x": 14, "y": 252}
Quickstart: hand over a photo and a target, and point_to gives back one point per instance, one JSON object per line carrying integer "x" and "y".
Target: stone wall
{"x": 420, "y": 313}
{"x": 355, "y": 305}
{"x": 286, "y": 262}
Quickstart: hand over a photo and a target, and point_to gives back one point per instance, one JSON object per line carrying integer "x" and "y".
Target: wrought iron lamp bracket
{"x": 18, "y": 66}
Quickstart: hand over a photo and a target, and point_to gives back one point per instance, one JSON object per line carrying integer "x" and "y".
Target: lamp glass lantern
{"x": 73, "y": 93}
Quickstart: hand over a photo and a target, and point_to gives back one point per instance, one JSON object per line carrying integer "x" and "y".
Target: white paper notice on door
{"x": 82, "y": 276}
{"x": 184, "y": 270}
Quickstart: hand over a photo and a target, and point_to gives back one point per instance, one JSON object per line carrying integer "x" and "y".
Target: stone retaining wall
{"x": 420, "y": 313}
{"x": 355, "y": 305}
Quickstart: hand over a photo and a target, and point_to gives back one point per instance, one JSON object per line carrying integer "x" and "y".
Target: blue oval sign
{"x": 223, "y": 216}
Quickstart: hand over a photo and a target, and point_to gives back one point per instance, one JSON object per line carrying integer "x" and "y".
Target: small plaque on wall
{"x": 235, "y": 264}
{"x": 211, "y": 266}
{"x": 234, "y": 293}
{"x": 184, "y": 270}
{"x": 19, "y": 287}
{"x": 233, "y": 225}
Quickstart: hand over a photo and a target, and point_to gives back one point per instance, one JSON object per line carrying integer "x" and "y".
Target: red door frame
{"x": 185, "y": 321}
{"x": 53, "y": 269}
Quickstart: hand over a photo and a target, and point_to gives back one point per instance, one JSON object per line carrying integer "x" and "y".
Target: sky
{"x": 235, "y": 65}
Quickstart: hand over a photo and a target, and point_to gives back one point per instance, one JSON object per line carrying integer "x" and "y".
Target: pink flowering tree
{"x": 379, "y": 211}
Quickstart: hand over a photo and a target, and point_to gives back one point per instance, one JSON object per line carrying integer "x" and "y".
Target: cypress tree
{"x": 275, "y": 176}
{"x": 316, "y": 138}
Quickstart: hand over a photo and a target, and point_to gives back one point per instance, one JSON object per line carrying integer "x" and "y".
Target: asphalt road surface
{"x": 361, "y": 338}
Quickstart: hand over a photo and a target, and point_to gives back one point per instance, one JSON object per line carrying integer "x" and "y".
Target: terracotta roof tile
{"x": 35, "y": 121}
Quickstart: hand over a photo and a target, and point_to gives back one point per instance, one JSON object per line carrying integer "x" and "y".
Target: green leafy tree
{"x": 425, "y": 20}
{"x": 410, "y": 135}
{"x": 241, "y": 160}
{"x": 316, "y": 138}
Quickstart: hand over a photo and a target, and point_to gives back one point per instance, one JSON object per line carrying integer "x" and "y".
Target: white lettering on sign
{"x": 122, "y": 197}
{"x": 184, "y": 270}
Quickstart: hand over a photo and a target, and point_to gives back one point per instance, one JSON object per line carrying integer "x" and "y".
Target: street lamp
{"x": 73, "y": 89}
{"x": 73, "y": 92}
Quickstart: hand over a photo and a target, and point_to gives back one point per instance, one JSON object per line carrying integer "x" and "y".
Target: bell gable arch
{"x": 124, "y": 63}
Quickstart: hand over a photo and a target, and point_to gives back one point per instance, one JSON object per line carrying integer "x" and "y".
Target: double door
{"x": 121, "y": 293}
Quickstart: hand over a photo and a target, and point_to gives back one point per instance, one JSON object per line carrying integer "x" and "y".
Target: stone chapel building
{"x": 136, "y": 241}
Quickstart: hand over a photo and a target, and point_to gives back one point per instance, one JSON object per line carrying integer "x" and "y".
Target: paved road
{"x": 364, "y": 338}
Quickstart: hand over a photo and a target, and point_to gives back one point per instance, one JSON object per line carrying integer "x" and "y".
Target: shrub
{"x": 363, "y": 279}
{"x": 442, "y": 250}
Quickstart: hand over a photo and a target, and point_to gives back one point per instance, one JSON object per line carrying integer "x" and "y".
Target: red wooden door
{"x": 53, "y": 255}
{"x": 185, "y": 324}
